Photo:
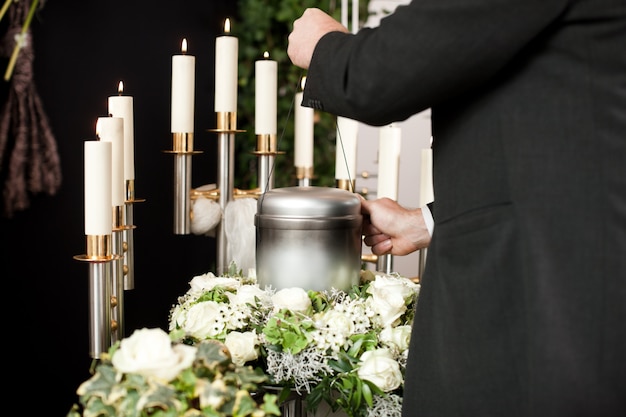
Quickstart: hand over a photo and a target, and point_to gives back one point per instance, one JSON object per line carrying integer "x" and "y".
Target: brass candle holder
{"x": 304, "y": 176}
{"x": 99, "y": 256}
{"x": 266, "y": 151}
{"x": 345, "y": 184}
{"x": 182, "y": 148}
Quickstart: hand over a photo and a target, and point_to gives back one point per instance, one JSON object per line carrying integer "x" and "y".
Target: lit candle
{"x": 304, "y": 120}
{"x": 98, "y": 213}
{"x": 266, "y": 94}
{"x": 226, "y": 52}
{"x": 389, "y": 143}
{"x": 111, "y": 129}
{"x": 183, "y": 91}
{"x": 122, "y": 106}
{"x": 426, "y": 177}
{"x": 345, "y": 157}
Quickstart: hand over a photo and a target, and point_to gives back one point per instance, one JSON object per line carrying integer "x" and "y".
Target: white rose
{"x": 387, "y": 309}
{"x": 208, "y": 281}
{"x": 294, "y": 299}
{"x": 397, "y": 336}
{"x": 394, "y": 284}
{"x": 200, "y": 282}
{"x": 389, "y": 298}
{"x": 149, "y": 352}
{"x": 204, "y": 320}
{"x": 242, "y": 346}
{"x": 246, "y": 295}
{"x": 379, "y": 367}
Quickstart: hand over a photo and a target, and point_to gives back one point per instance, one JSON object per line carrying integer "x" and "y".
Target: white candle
{"x": 344, "y": 12}
{"x": 389, "y": 143}
{"x": 426, "y": 177}
{"x": 183, "y": 91}
{"x": 355, "y": 16}
{"x": 111, "y": 129}
{"x": 226, "y": 53}
{"x": 266, "y": 94}
{"x": 98, "y": 212}
{"x": 122, "y": 106}
{"x": 345, "y": 157}
{"x": 304, "y": 120}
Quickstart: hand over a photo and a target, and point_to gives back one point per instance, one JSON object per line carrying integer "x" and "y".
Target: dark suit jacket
{"x": 522, "y": 309}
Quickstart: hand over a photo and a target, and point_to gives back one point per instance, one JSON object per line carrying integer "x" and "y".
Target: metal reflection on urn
{"x": 308, "y": 237}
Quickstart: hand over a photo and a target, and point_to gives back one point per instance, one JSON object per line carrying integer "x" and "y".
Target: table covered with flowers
{"x": 341, "y": 351}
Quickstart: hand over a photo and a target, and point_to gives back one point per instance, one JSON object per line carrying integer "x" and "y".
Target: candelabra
{"x": 111, "y": 272}
{"x": 224, "y": 192}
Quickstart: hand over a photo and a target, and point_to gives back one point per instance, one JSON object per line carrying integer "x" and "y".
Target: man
{"x": 522, "y": 308}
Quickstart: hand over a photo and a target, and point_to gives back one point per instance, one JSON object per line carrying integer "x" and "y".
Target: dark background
{"x": 82, "y": 50}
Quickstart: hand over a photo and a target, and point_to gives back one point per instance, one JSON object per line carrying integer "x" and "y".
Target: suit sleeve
{"x": 425, "y": 53}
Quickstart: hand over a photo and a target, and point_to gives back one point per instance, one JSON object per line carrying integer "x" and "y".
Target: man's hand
{"x": 308, "y": 29}
{"x": 389, "y": 228}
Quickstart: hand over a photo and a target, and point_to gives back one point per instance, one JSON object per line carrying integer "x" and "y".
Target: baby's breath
{"x": 304, "y": 370}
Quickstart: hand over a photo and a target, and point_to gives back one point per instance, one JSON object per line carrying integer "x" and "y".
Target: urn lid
{"x": 309, "y": 202}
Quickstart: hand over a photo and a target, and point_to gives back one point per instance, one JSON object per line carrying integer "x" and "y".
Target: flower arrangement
{"x": 148, "y": 375}
{"x": 347, "y": 349}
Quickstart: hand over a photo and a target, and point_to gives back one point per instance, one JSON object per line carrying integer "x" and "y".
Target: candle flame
{"x": 266, "y": 55}
{"x": 120, "y": 88}
{"x": 302, "y": 82}
{"x": 183, "y": 46}
{"x": 227, "y": 26}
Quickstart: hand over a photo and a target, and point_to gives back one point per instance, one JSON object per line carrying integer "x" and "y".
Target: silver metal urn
{"x": 308, "y": 237}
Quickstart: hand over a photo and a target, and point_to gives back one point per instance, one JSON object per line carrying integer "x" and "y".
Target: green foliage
{"x": 264, "y": 25}
{"x": 212, "y": 376}
{"x": 289, "y": 330}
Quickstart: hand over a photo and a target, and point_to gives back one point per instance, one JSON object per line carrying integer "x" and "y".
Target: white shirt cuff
{"x": 428, "y": 219}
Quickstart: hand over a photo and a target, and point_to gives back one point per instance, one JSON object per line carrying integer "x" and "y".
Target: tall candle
{"x": 304, "y": 120}
{"x": 389, "y": 143}
{"x": 355, "y": 15}
{"x": 345, "y": 157}
{"x": 226, "y": 52}
{"x": 266, "y": 95}
{"x": 426, "y": 177}
{"x": 111, "y": 129}
{"x": 98, "y": 213}
{"x": 122, "y": 106}
{"x": 183, "y": 91}
{"x": 344, "y": 12}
